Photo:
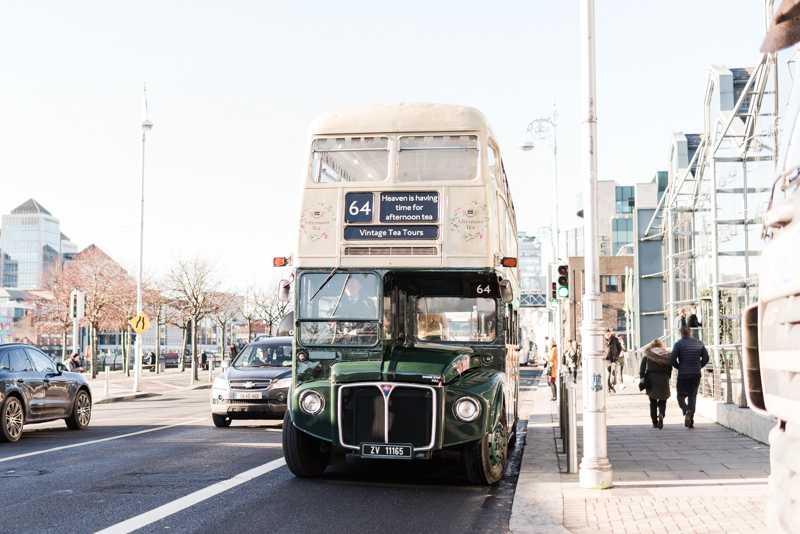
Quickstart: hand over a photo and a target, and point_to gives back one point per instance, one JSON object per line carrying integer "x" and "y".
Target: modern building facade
{"x": 616, "y": 204}
{"x": 30, "y": 240}
{"x": 530, "y": 262}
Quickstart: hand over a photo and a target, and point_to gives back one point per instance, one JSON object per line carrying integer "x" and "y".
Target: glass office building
{"x": 30, "y": 240}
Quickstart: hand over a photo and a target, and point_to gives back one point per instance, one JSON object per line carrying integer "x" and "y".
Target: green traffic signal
{"x": 563, "y": 292}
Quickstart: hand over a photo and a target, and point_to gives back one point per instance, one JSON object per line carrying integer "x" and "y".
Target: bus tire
{"x": 486, "y": 458}
{"x": 304, "y": 453}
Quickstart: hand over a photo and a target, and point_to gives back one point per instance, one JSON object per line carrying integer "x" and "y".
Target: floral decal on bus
{"x": 316, "y": 221}
{"x": 470, "y": 220}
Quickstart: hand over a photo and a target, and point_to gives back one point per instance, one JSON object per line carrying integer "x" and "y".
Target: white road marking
{"x": 183, "y": 503}
{"x": 18, "y": 456}
{"x": 262, "y": 445}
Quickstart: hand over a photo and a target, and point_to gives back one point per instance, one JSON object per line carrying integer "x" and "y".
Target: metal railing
{"x": 721, "y": 379}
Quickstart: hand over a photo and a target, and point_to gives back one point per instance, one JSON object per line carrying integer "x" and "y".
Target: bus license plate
{"x": 247, "y": 395}
{"x": 382, "y": 450}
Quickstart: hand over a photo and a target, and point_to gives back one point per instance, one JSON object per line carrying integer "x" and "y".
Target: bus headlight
{"x": 311, "y": 402}
{"x": 467, "y": 409}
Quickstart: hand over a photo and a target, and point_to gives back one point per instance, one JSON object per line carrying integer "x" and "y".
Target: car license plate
{"x": 247, "y": 395}
{"x": 382, "y": 450}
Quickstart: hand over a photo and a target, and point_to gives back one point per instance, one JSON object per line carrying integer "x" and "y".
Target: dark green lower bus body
{"x": 397, "y": 397}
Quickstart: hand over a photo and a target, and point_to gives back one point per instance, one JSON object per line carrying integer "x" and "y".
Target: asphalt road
{"x": 160, "y": 465}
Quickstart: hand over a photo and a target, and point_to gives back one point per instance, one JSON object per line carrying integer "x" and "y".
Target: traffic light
{"x": 562, "y": 282}
{"x": 76, "y": 305}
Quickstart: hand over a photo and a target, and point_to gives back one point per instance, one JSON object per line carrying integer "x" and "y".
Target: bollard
{"x": 210, "y": 367}
{"x": 572, "y": 431}
{"x": 558, "y": 400}
{"x": 106, "y": 388}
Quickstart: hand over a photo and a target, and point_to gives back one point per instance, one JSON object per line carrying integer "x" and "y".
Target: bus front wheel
{"x": 306, "y": 456}
{"x": 486, "y": 458}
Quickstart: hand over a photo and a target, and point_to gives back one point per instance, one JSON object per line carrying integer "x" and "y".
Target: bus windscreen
{"x": 351, "y": 159}
{"x": 438, "y": 158}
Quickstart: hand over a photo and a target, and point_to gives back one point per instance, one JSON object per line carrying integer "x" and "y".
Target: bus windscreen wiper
{"x": 323, "y": 284}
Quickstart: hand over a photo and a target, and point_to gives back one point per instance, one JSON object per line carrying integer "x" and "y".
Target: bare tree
{"x": 52, "y": 302}
{"x": 104, "y": 284}
{"x": 247, "y": 308}
{"x": 157, "y": 304}
{"x": 270, "y": 309}
{"x": 194, "y": 282}
{"x": 224, "y": 310}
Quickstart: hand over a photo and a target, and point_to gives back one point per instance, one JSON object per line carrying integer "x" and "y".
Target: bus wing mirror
{"x": 506, "y": 295}
{"x": 283, "y": 291}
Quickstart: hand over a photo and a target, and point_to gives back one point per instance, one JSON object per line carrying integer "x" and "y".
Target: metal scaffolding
{"x": 709, "y": 218}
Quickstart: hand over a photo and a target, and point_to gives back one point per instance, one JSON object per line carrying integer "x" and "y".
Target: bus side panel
{"x": 320, "y": 227}
{"x": 469, "y": 227}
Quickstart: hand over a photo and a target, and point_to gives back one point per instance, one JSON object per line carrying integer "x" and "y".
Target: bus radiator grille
{"x": 410, "y": 413}
{"x": 363, "y": 416}
{"x": 410, "y": 416}
{"x": 391, "y": 251}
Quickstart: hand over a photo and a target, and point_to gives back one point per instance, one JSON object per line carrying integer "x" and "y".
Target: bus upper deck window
{"x": 351, "y": 159}
{"x": 438, "y": 158}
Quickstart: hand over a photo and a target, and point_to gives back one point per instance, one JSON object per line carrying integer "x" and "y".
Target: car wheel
{"x": 12, "y": 418}
{"x": 221, "y": 421}
{"x": 81, "y": 411}
{"x": 486, "y": 458}
{"x": 306, "y": 456}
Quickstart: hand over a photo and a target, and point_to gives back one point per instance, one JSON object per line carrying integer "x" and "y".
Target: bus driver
{"x": 353, "y": 304}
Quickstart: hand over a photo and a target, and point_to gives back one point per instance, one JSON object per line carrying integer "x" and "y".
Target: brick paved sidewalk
{"x": 703, "y": 480}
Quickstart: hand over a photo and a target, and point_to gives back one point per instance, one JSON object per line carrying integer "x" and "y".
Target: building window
{"x": 625, "y": 199}
{"x": 611, "y": 281}
{"x": 622, "y": 321}
{"x": 621, "y": 233}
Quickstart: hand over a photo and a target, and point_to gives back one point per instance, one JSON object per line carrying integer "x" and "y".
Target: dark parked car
{"x": 34, "y": 389}
{"x": 256, "y": 384}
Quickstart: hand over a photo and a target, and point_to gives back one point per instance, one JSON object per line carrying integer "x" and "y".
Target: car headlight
{"x": 220, "y": 383}
{"x": 283, "y": 383}
{"x": 467, "y": 409}
{"x": 311, "y": 402}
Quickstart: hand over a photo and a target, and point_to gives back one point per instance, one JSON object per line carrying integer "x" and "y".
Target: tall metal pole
{"x": 595, "y": 469}
{"x": 137, "y": 368}
{"x": 557, "y": 236}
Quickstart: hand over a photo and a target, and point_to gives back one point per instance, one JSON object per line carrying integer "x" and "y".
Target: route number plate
{"x": 247, "y": 395}
{"x": 382, "y": 450}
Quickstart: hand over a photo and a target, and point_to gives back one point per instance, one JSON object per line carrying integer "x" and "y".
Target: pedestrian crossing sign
{"x": 140, "y": 323}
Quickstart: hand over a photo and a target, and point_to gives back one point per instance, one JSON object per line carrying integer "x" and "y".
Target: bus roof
{"x": 404, "y": 117}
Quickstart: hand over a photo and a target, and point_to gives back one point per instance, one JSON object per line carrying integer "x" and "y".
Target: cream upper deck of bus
{"x": 405, "y": 185}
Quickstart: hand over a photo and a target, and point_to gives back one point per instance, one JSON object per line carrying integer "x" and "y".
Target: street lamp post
{"x": 595, "y": 469}
{"x": 543, "y": 128}
{"x": 137, "y": 377}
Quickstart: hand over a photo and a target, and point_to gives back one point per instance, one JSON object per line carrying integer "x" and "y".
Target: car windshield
{"x": 264, "y": 356}
{"x": 456, "y": 319}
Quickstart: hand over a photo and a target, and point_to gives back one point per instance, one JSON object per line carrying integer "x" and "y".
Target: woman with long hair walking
{"x": 655, "y": 364}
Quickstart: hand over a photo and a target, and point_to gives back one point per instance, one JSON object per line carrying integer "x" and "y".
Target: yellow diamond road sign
{"x": 140, "y": 323}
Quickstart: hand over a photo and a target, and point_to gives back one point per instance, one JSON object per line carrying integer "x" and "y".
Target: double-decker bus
{"x": 406, "y": 293}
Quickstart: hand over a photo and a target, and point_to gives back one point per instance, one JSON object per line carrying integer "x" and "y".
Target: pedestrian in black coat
{"x": 689, "y": 356}
{"x": 656, "y": 364}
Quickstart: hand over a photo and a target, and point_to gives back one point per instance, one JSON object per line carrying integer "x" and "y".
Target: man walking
{"x": 688, "y": 356}
{"x": 680, "y": 320}
{"x": 693, "y": 323}
{"x": 613, "y": 350}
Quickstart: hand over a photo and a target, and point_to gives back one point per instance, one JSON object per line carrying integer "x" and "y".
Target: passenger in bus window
{"x": 354, "y": 304}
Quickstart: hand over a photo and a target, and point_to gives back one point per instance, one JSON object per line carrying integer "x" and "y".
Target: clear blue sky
{"x": 233, "y": 87}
